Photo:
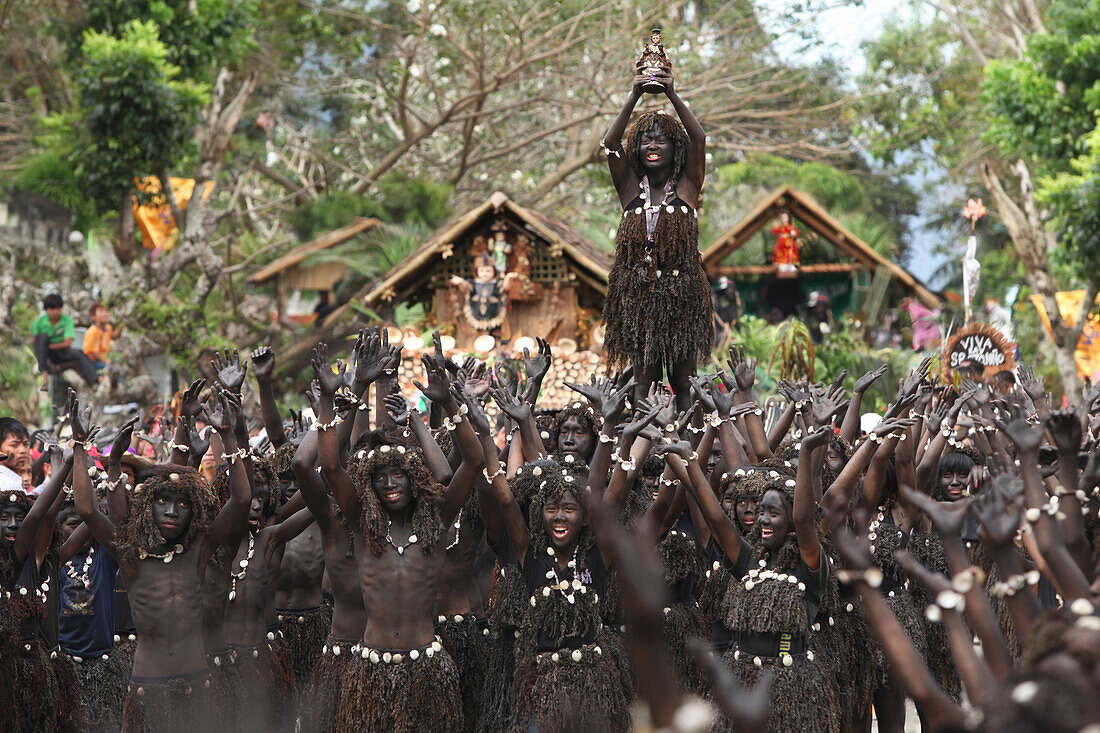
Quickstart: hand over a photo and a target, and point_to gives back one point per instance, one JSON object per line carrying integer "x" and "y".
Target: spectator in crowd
{"x": 15, "y": 454}
{"x": 53, "y": 333}
{"x": 98, "y": 337}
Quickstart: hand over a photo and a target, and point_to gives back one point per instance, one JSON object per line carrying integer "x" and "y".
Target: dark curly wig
{"x": 671, "y": 128}
{"x": 587, "y": 417}
{"x": 427, "y": 496}
{"x": 139, "y": 532}
{"x": 263, "y": 473}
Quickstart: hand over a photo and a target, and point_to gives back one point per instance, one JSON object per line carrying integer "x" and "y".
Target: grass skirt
{"x": 266, "y": 685}
{"x": 171, "y": 705}
{"x": 685, "y": 621}
{"x": 35, "y": 692}
{"x": 587, "y": 689}
{"x": 908, "y": 614}
{"x": 801, "y": 698}
{"x": 320, "y": 701}
{"x": 408, "y": 691}
{"x": 70, "y": 712}
{"x": 304, "y": 633}
{"x": 843, "y": 644}
{"x": 500, "y": 668}
{"x": 464, "y": 638}
{"x": 226, "y": 687}
{"x": 102, "y": 690}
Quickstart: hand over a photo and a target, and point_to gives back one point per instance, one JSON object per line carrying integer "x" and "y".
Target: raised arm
{"x": 321, "y": 395}
{"x": 404, "y": 413}
{"x": 804, "y": 512}
{"x": 931, "y": 458}
{"x": 500, "y": 512}
{"x": 83, "y": 496}
{"x": 118, "y": 497}
{"x": 263, "y": 366}
{"x": 744, "y": 373}
{"x": 724, "y": 528}
{"x": 46, "y": 506}
{"x": 849, "y": 428}
{"x": 622, "y": 173}
{"x": 309, "y": 482}
{"x": 190, "y": 408}
{"x": 231, "y": 522}
{"x": 696, "y": 163}
{"x": 440, "y": 391}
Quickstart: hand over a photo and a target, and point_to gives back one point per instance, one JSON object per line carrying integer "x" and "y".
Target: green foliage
{"x": 794, "y": 351}
{"x": 214, "y": 33}
{"x": 332, "y": 211}
{"x": 137, "y": 111}
{"x": 376, "y": 251}
{"x": 1041, "y": 106}
{"x": 1074, "y": 201}
{"x": 183, "y": 330}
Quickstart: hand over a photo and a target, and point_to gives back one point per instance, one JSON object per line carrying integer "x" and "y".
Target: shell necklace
{"x": 82, "y": 576}
{"x": 244, "y": 567}
{"x": 400, "y": 548}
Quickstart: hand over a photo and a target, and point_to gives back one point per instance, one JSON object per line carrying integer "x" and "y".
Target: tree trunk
{"x": 1033, "y": 243}
{"x": 124, "y": 248}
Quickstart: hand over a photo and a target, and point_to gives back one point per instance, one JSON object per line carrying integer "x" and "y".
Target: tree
{"x": 975, "y": 82}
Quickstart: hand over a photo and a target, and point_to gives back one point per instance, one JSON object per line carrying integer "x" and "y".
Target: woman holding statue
{"x": 658, "y": 314}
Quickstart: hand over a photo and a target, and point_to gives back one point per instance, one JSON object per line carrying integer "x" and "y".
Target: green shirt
{"x": 63, "y": 330}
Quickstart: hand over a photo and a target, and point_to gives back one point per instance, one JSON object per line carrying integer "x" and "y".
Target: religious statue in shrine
{"x": 500, "y": 247}
{"x": 785, "y": 254}
{"x": 654, "y": 60}
{"x": 486, "y": 295}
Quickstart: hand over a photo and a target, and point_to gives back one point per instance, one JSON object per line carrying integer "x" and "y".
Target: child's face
{"x": 102, "y": 317}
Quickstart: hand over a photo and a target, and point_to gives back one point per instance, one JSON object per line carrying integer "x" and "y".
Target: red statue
{"x": 785, "y": 255}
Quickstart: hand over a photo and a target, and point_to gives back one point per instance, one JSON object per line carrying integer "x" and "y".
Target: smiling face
{"x": 575, "y": 438}
{"x": 774, "y": 519}
{"x": 655, "y": 152}
{"x": 11, "y": 519}
{"x": 392, "y": 487}
{"x": 563, "y": 518}
{"x": 172, "y": 512}
{"x": 953, "y": 485}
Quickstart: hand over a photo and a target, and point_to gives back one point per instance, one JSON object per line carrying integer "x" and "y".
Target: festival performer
{"x": 401, "y": 677}
{"x": 172, "y": 532}
{"x": 658, "y": 313}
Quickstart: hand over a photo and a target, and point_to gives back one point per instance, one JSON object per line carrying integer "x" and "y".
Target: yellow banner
{"x": 1088, "y": 347}
{"x": 158, "y": 227}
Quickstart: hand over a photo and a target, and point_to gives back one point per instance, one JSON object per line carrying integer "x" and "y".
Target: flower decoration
{"x": 973, "y": 211}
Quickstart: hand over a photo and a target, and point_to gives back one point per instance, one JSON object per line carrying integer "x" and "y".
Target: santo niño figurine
{"x": 486, "y": 302}
{"x": 653, "y": 60}
{"x": 785, "y": 254}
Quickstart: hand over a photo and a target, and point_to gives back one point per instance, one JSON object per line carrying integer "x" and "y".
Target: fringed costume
{"x": 769, "y": 607}
{"x": 322, "y": 699}
{"x": 658, "y": 309}
{"x": 683, "y": 619}
{"x": 404, "y": 691}
{"x": 266, "y": 683}
{"x": 304, "y": 633}
{"x": 571, "y": 674}
{"x": 465, "y": 638}
{"x": 176, "y": 704}
{"x": 928, "y": 549}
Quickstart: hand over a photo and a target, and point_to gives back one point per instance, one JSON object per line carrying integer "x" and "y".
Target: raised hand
{"x": 398, "y": 407}
{"x": 225, "y": 415}
{"x": 614, "y": 401}
{"x": 440, "y": 357}
{"x": 191, "y": 401}
{"x": 946, "y": 516}
{"x": 80, "y": 424}
{"x": 122, "y": 440}
{"x": 998, "y": 508}
{"x": 538, "y": 365}
{"x": 680, "y": 448}
{"x": 641, "y": 421}
{"x": 1032, "y": 386}
{"x": 1091, "y": 395}
{"x": 744, "y": 370}
{"x": 979, "y": 392}
{"x": 817, "y": 439}
{"x": 438, "y": 387}
{"x": 510, "y": 405}
{"x": 230, "y": 372}
{"x": 911, "y": 381}
{"x": 328, "y": 379}
{"x": 1024, "y": 435}
{"x": 704, "y": 395}
{"x": 592, "y": 390}
{"x": 263, "y": 363}
{"x": 477, "y": 416}
{"x": 864, "y": 382}
{"x": 476, "y": 380}
{"x": 828, "y": 404}
{"x": 1065, "y": 430}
